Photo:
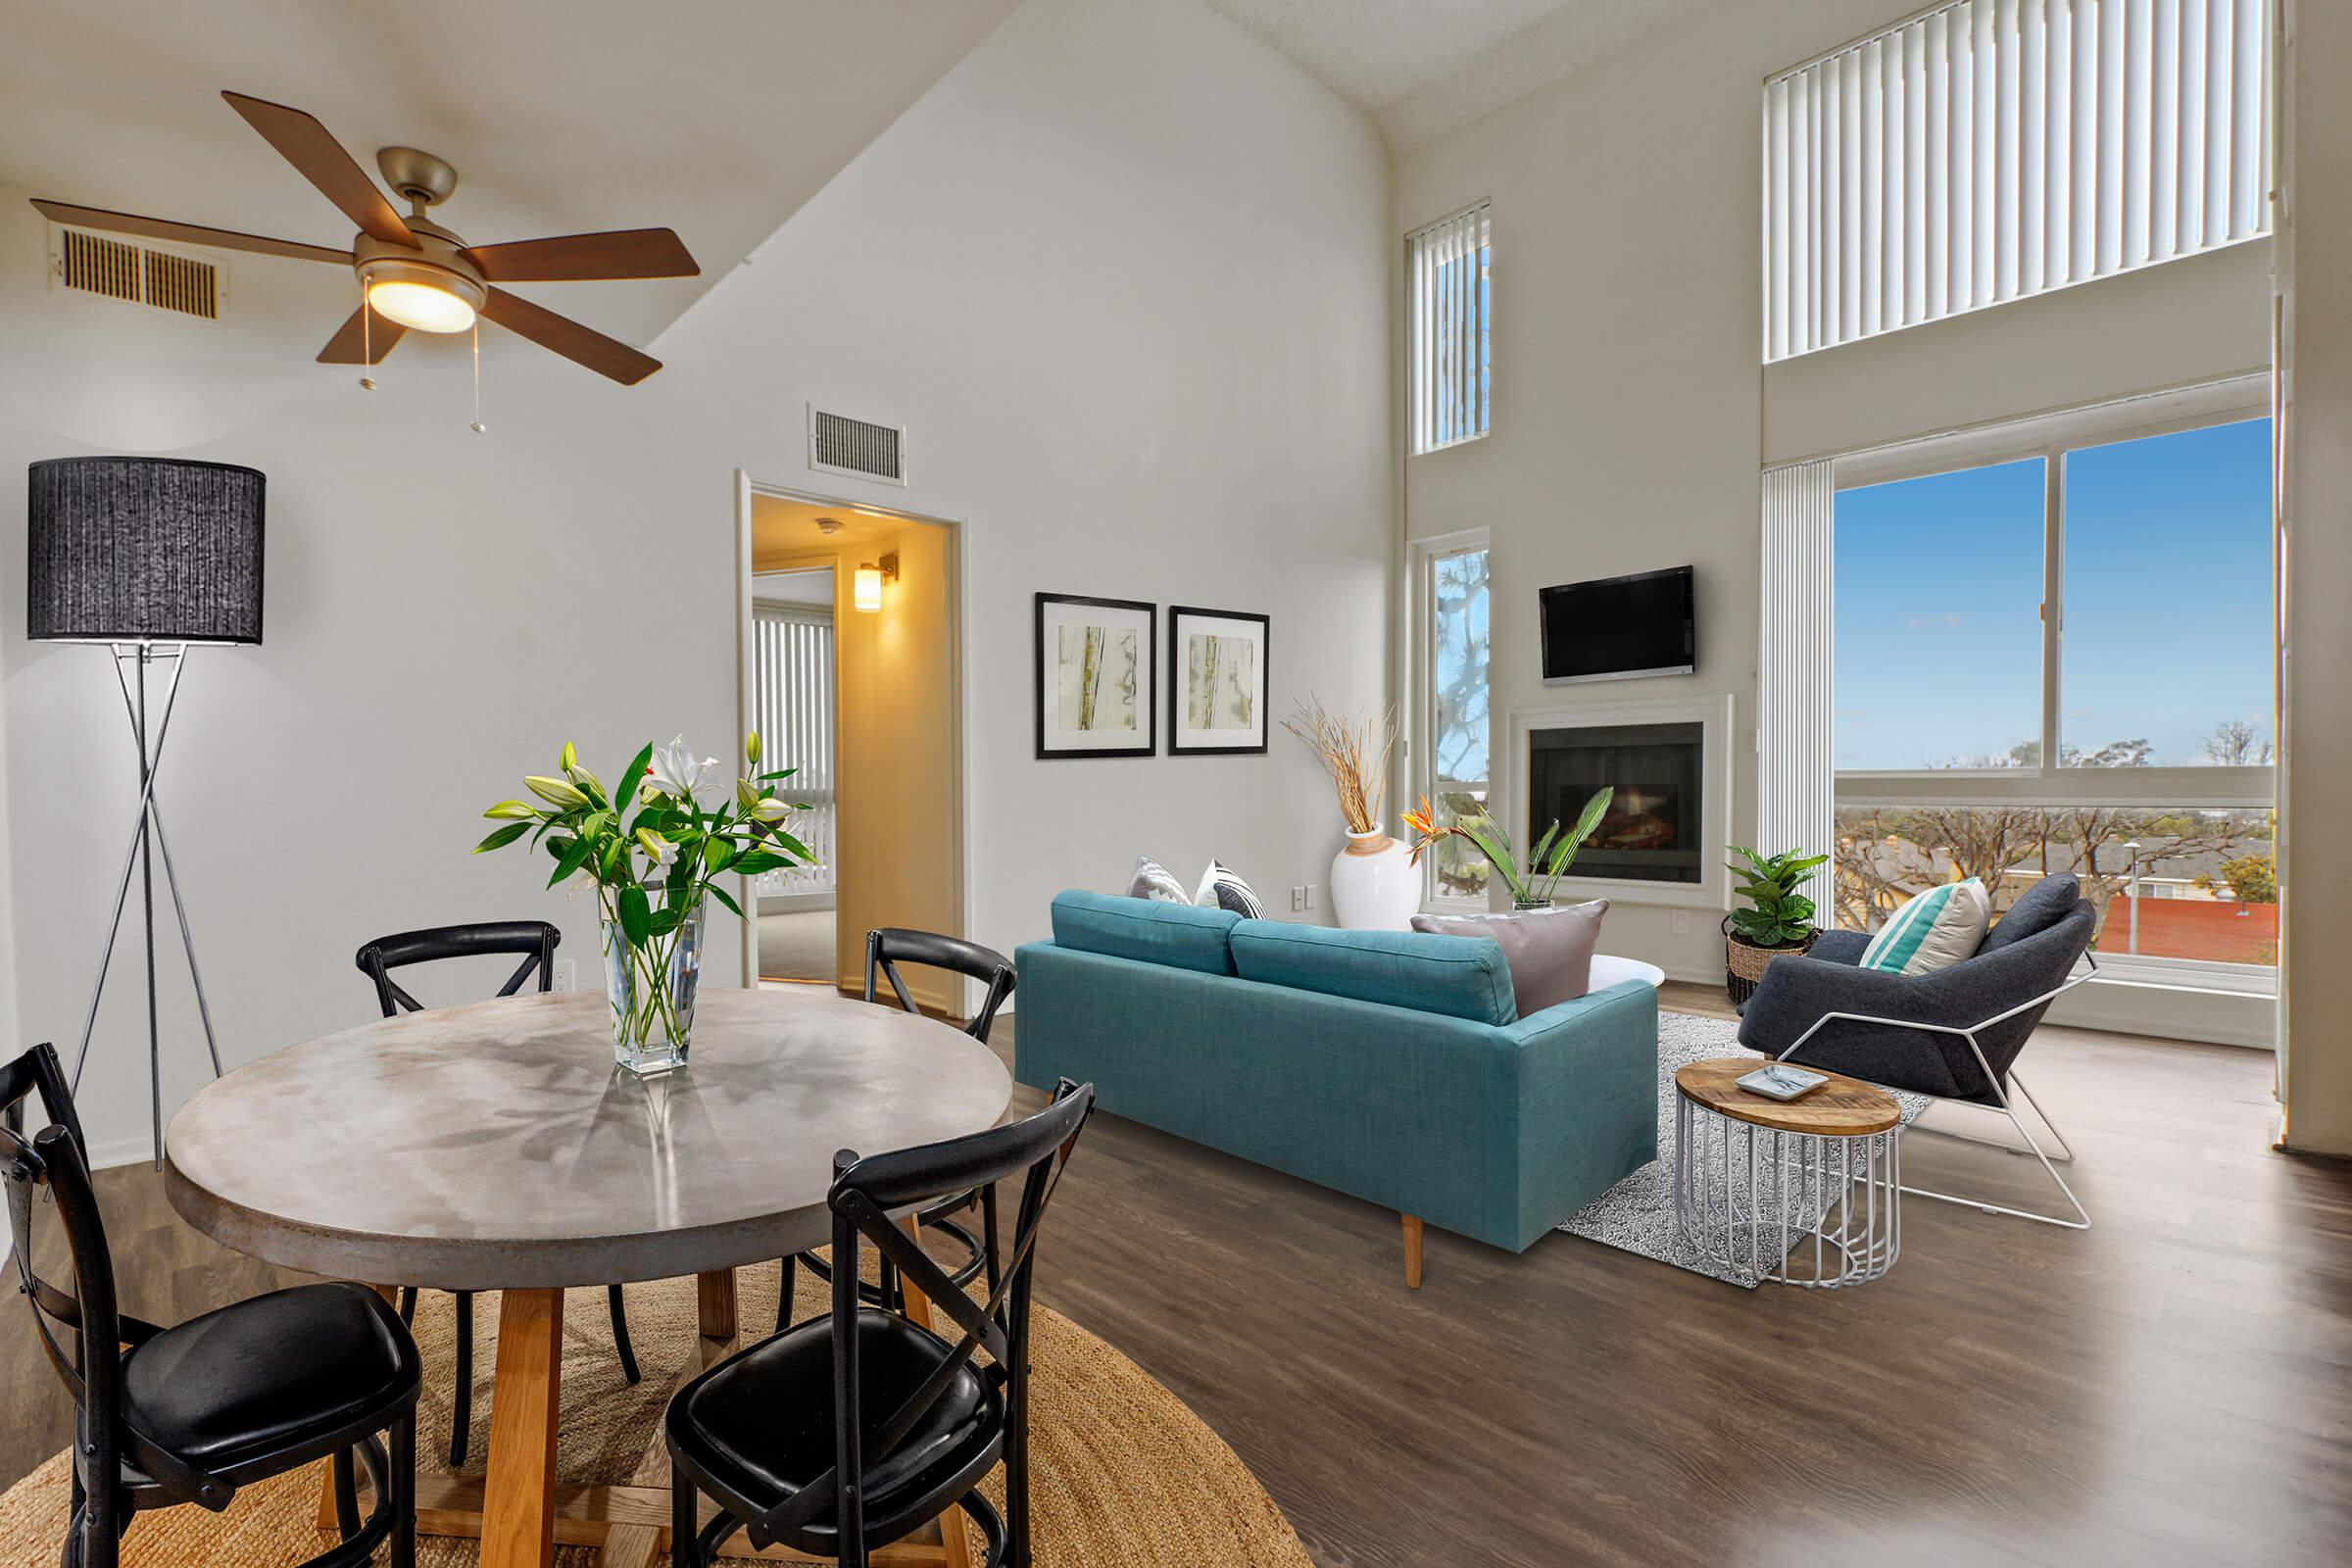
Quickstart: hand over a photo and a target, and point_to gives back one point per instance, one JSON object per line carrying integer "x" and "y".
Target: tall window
{"x": 2064, "y": 663}
{"x": 1985, "y": 150}
{"x": 1447, "y": 309}
{"x": 1450, "y": 746}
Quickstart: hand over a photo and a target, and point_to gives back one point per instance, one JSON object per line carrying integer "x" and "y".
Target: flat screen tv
{"x": 1614, "y": 628}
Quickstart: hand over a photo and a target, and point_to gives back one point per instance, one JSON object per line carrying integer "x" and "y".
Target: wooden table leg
{"x": 952, "y": 1535}
{"x": 518, "y": 1499}
{"x": 1413, "y": 1252}
{"x": 714, "y": 1305}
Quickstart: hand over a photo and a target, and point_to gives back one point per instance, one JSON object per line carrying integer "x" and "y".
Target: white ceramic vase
{"x": 1374, "y": 884}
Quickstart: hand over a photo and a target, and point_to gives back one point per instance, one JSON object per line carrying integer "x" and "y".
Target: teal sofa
{"x": 1392, "y": 1065}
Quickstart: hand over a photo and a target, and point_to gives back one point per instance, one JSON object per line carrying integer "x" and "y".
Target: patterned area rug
{"x": 1124, "y": 1474}
{"x": 1636, "y": 1216}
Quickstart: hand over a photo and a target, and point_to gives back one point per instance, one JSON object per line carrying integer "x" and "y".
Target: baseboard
{"x": 115, "y": 1152}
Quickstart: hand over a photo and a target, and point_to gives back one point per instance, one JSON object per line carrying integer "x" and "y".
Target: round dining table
{"x": 495, "y": 1147}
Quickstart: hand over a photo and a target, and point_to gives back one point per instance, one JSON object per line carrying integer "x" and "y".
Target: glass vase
{"x": 651, "y": 988}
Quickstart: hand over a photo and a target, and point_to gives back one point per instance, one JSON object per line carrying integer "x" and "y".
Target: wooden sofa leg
{"x": 1412, "y": 1250}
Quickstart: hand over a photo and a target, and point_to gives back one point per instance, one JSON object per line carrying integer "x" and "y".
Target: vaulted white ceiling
{"x": 1422, "y": 68}
{"x": 719, "y": 118}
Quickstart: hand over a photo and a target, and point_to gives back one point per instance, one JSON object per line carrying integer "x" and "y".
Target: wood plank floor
{"x": 2174, "y": 1386}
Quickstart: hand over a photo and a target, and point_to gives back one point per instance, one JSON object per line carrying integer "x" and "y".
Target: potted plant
{"x": 1779, "y": 918}
{"x": 1532, "y": 886}
{"x": 653, "y": 852}
{"x": 1372, "y": 882}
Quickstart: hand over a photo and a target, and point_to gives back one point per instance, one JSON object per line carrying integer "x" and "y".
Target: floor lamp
{"x": 151, "y": 557}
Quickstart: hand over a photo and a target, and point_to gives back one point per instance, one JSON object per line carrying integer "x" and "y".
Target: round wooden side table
{"x": 1756, "y": 1179}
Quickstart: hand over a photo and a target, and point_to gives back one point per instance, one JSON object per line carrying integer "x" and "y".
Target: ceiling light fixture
{"x": 865, "y": 588}
{"x": 420, "y": 295}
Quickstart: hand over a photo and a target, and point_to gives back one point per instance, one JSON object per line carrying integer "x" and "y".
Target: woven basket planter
{"x": 1743, "y": 966}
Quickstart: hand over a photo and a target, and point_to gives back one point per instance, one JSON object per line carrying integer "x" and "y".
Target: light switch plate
{"x": 566, "y": 979}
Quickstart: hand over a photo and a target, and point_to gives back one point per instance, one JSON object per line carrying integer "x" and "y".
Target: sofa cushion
{"x": 1177, "y": 935}
{"x": 1460, "y": 977}
{"x": 1549, "y": 951}
{"x": 2037, "y": 910}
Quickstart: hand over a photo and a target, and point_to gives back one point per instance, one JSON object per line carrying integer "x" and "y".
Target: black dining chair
{"x": 535, "y": 942}
{"x": 164, "y": 1416}
{"x": 915, "y": 1421}
{"x": 886, "y": 948}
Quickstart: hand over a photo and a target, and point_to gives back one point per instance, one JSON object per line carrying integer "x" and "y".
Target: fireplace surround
{"x": 1663, "y": 840}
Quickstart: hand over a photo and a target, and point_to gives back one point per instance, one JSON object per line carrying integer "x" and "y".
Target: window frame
{"x": 1420, "y": 359}
{"x": 1420, "y": 739}
{"x": 2050, "y": 439}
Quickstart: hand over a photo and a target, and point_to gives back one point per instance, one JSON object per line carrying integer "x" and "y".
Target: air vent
{"x": 92, "y": 264}
{"x": 839, "y": 444}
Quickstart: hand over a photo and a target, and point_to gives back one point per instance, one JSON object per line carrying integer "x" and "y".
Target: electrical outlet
{"x": 1311, "y": 895}
{"x": 1297, "y": 901}
{"x": 1682, "y": 922}
{"x": 566, "y": 979}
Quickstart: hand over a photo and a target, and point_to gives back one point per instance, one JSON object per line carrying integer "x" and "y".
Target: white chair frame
{"x": 2065, "y": 1154}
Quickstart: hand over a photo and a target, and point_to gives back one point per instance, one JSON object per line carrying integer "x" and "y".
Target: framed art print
{"x": 1216, "y": 681}
{"x": 1095, "y": 677}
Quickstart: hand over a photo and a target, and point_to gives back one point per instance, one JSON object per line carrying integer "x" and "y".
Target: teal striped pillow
{"x": 1932, "y": 930}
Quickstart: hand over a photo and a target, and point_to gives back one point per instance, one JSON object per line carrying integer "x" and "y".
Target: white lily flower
{"x": 658, "y": 849}
{"x": 674, "y": 771}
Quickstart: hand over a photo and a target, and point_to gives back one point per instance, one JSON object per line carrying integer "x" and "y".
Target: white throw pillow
{"x": 1154, "y": 881}
{"x": 1932, "y": 930}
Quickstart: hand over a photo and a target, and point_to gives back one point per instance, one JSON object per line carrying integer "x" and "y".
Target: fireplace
{"x": 1655, "y": 829}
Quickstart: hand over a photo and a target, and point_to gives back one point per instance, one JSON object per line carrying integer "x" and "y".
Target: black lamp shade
{"x": 143, "y": 550}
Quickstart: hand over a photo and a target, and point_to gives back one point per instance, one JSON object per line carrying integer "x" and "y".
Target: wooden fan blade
{"x": 354, "y": 344}
{"x": 303, "y": 142}
{"x": 185, "y": 233}
{"x": 586, "y": 258}
{"x": 582, "y": 345}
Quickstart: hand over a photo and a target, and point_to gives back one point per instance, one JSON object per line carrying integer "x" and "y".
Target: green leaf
{"x": 714, "y": 852}
{"x": 636, "y": 915}
{"x": 574, "y": 855}
{"x": 631, "y": 777}
{"x": 608, "y": 858}
{"x": 721, "y": 894}
{"x": 501, "y": 837}
{"x": 759, "y": 860}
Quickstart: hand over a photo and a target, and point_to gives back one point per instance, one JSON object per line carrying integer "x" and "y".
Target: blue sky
{"x": 2167, "y": 587}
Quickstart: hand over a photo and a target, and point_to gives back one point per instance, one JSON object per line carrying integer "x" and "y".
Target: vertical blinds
{"x": 1445, "y": 265}
{"x": 1986, "y": 150}
{"x": 793, "y": 702}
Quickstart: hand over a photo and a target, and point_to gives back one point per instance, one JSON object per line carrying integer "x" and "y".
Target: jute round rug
{"x": 1123, "y": 1472}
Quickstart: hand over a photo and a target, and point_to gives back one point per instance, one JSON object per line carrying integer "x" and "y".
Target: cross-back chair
{"x": 886, "y": 948}
{"x": 916, "y": 1420}
{"x": 534, "y": 942}
{"x": 164, "y": 1416}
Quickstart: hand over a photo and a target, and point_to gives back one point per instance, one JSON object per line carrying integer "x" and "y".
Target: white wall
{"x": 1038, "y": 269}
{"x": 1631, "y": 411}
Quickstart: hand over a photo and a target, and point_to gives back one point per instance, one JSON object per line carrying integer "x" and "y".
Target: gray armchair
{"x": 1955, "y": 1034}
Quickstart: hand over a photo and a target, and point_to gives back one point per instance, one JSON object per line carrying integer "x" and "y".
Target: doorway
{"x": 851, "y": 672}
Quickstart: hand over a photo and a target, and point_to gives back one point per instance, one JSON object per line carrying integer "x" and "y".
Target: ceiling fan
{"x": 413, "y": 273}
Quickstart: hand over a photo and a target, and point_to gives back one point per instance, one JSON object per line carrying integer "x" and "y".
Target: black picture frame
{"x": 1147, "y": 650}
{"x": 1177, "y": 745}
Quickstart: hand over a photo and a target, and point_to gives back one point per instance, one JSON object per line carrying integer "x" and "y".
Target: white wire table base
{"x": 1811, "y": 1209}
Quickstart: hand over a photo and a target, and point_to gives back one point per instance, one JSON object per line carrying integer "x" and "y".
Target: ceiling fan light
{"x": 420, "y": 307}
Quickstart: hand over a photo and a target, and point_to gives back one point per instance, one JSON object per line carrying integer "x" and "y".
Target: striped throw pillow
{"x": 1222, "y": 889}
{"x": 1932, "y": 931}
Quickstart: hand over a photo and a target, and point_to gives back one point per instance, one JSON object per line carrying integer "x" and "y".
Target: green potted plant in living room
{"x": 1778, "y": 918}
{"x": 1534, "y": 884}
{"x": 653, "y": 852}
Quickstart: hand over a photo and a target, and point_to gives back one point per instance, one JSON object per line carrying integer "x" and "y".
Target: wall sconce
{"x": 865, "y": 588}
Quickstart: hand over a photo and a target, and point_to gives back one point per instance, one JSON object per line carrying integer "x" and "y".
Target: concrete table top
{"x": 493, "y": 1145}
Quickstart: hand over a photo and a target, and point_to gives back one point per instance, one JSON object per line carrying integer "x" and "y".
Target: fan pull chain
{"x": 480, "y": 428}
{"x": 366, "y": 349}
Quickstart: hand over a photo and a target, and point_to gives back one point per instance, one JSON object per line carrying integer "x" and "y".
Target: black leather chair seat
{"x": 761, "y": 1426}
{"x": 260, "y": 1377}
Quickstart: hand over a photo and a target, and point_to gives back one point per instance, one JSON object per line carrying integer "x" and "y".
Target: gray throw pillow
{"x": 1152, "y": 880}
{"x": 1549, "y": 952}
